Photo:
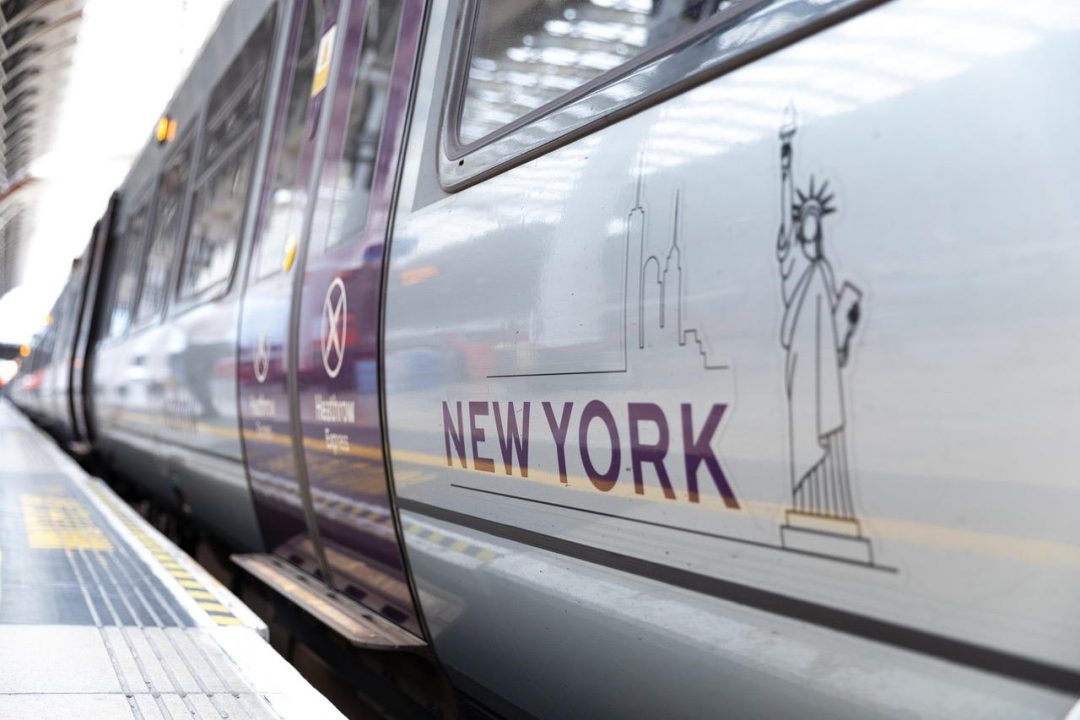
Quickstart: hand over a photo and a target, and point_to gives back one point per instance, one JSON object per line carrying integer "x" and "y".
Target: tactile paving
{"x": 102, "y": 617}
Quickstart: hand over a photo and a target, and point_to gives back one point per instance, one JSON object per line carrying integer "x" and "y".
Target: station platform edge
{"x": 101, "y": 616}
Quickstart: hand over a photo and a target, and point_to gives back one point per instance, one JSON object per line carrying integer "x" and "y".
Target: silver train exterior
{"x": 690, "y": 359}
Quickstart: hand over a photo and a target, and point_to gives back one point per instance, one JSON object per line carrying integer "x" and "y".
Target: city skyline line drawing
{"x": 654, "y": 280}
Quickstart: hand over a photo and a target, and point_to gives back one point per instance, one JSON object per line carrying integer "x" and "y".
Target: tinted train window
{"x": 228, "y": 152}
{"x": 367, "y": 105}
{"x": 528, "y": 53}
{"x": 271, "y": 250}
{"x": 129, "y": 251}
{"x": 66, "y": 316}
{"x": 168, "y": 229}
{"x": 218, "y": 212}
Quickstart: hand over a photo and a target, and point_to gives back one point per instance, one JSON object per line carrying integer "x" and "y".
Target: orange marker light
{"x": 161, "y": 132}
{"x": 290, "y": 253}
{"x": 24, "y": 350}
{"x": 170, "y": 133}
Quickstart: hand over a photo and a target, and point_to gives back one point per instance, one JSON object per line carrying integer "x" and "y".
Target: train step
{"x": 352, "y": 621}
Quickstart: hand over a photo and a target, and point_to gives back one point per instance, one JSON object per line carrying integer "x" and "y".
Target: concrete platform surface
{"x": 101, "y": 616}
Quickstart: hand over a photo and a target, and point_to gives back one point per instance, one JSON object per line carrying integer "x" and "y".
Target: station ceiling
{"x": 37, "y": 48}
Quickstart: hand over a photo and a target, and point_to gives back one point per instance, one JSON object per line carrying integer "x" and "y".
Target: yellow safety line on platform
{"x": 59, "y": 522}
{"x": 199, "y": 593}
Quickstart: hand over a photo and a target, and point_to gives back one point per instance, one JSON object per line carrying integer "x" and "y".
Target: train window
{"x": 168, "y": 229}
{"x": 367, "y": 105}
{"x": 126, "y": 286}
{"x": 527, "y": 54}
{"x": 282, "y": 194}
{"x": 65, "y": 317}
{"x": 159, "y": 260}
{"x": 221, "y": 194}
{"x": 218, "y": 212}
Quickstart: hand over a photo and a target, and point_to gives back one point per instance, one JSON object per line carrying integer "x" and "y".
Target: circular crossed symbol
{"x": 262, "y": 359}
{"x": 335, "y": 313}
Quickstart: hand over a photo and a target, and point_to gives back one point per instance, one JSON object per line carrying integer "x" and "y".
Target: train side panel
{"x": 720, "y": 408}
{"x": 164, "y": 375}
{"x": 200, "y": 436}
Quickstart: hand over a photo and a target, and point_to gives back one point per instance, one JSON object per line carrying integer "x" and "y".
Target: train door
{"x": 69, "y": 307}
{"x": 83, "y": 310}
{"x": 89, "y": 310}
{"x": 338, "y": 332}
{"x": 271, "y": 446}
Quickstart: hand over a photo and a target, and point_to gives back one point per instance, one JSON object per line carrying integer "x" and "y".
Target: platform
{"x": 101, "y": 616}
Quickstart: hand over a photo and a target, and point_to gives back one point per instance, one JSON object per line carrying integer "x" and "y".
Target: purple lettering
{"x": 480, "y": 463}
{"x": 598, "y": 410}
{"x": 449, "y": 433}
{"x": 558, "y": 432}
{"x": 700, "y": 450}
{"x": 641, "y": 453}
{"x": 510, "y": 440}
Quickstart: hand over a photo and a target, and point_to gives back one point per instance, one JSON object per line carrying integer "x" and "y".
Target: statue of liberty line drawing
{"x": 819, "y": 321}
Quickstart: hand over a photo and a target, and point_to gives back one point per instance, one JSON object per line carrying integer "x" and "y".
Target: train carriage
{"x": 627, "y": 358}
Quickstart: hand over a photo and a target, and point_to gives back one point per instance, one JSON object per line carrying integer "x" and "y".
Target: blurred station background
{"x": 78, "y": 100}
